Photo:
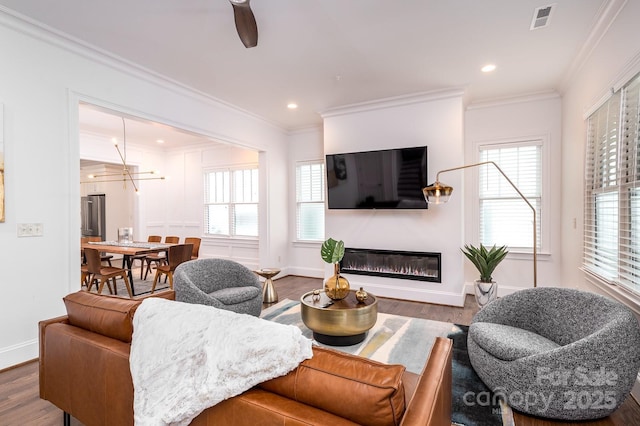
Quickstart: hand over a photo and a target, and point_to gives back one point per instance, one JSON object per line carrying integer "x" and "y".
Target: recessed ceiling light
{"x": 160, "y": 141}
{"x": 488, "y": 68}
{"x": 292, "y": 105}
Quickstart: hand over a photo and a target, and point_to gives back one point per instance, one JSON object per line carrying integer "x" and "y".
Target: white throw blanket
{"x": 186, "y": 358}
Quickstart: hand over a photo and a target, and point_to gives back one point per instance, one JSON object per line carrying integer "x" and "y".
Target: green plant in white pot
{"x": 485, "y": 260}
{"x": 337, "y": 287}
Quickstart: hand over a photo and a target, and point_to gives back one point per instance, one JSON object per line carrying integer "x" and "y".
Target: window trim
{"x": 231, "y": 170}
{"x": 472, "y": 179}
{"x": 297, "y": 203}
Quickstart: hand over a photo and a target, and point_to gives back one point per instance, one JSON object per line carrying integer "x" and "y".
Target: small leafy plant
{"x": 485, "y": 260}
{"x": 332, "y": 251}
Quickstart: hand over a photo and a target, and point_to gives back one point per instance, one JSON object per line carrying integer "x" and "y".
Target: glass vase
{"x": 336, "y": 287}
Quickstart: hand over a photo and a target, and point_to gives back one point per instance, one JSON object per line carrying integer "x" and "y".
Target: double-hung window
{"x": 310, "y": 190}
{"x": 231, "y": 202}
{"x": 505, "y": 218}
{"x": 612, "y": 189}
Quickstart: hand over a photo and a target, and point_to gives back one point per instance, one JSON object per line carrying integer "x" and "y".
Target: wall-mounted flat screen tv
{"x": 384, "y": 179}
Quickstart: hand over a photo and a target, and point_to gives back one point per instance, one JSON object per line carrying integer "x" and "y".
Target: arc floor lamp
{"x": 439, "y": 193}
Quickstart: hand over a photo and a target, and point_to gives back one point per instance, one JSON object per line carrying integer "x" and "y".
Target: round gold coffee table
{"x": 338, "y": 322}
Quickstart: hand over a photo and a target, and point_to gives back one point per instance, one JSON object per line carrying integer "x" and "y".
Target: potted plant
{"x": 485, "y": 260}
{"x": 336, "y": 287}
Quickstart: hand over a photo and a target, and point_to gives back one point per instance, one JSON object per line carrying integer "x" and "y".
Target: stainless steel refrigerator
{"x": 93, "y": 216}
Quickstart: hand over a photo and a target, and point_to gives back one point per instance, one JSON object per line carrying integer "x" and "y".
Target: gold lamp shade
{"x": 437, "y": 193}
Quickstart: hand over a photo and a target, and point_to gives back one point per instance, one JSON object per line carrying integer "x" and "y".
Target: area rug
{"x": 403, "y": 340}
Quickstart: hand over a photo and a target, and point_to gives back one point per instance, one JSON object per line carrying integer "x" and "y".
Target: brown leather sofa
{"x": 84, "y": 370}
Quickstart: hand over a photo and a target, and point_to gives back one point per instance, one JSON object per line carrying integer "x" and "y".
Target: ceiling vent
{"x": 542, "y": 16}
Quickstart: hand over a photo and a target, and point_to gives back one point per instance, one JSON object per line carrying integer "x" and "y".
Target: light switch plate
{"x": 30, "y": 229}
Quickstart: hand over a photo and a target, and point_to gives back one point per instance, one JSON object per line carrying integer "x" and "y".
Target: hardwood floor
{"x": 20, "y": 404}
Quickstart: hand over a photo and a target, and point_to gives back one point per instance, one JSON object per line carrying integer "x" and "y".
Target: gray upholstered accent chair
{"x": 221, "y": 283}
{"x": 556, "y": 352}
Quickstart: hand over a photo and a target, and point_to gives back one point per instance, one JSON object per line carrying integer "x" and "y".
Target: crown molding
{"x": 392, "y": 102}
{"x": 39, "y": 31}
{"x": 604, "y": 19}
{"x": 314, "y": 128}
{"x": 531, "y": 97}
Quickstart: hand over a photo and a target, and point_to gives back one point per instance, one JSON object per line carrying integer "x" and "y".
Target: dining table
{"x": 128, "y": 250}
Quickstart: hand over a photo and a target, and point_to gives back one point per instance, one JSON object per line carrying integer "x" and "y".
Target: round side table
{"x": 269, "y": 294}
{"x": 338, "y": 322}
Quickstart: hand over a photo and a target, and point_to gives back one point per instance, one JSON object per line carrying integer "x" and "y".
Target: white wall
{"x": 520, "y": 119}
{"x": 304, "y": 257}
{"x": 435, "y": 120}
{"x": 119, "y": 203}
{"x": 613, "y": 61}
{"x": 122, "y": 205}
{"x": 42, "y": 80}
{"x": 196, "y": 161}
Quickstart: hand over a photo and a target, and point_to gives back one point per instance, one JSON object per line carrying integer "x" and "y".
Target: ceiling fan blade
{"x": 245, "y": 24}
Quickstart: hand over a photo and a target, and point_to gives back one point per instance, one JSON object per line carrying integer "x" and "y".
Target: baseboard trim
{"x": 304, "y": 272}
{"x": 16, "y": 354}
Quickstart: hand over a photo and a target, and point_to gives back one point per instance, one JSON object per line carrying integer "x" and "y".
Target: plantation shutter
{"x": 629, "y": 255}
{"x": 217, "y": 197}
{"x": 310, "y": 190}
{"x": 612, "y": 189}
{"x": 231, "y": 202}
{"x": 505, "y": 219}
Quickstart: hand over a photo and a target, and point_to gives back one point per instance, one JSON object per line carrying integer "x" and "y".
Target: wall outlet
{"x": 30, "y": 229}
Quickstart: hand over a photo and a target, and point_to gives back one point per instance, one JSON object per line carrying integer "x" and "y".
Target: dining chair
{"x": 85, "y": 276}
{"x": 158, "y": 258}
{"x": 176, "y": 255}
{"x": 142, "y": 257}
{"x": 87, "y": 280}
{"x": 196, "y": 246}
{"x": 103, "y": 256}
{"x": 103, "y": 274}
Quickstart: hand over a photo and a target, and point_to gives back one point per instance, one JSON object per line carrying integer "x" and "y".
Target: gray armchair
{"x": 557, "y": 352}
{"x": 221, "y": 283}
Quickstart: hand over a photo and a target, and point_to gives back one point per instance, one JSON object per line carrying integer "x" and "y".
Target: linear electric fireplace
{"x": 409, "y": 265}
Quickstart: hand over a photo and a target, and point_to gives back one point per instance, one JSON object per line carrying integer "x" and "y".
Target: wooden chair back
{"x": 154, "y": 239}
{"x": 178, "y": 254}
{"x": 172, "y": 240}
{"x": 196, "y": 246}
{"x": 94, "y": 264}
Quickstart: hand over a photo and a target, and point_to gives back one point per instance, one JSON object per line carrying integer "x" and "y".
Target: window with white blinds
{"x": 505, "y": 219}
{"x": 612, "y": 189}
{"x": 310, "y": 190}
{"x": 231, "y": 202}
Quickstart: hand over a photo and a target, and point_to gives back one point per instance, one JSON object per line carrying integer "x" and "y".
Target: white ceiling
{"x": 107, "y": 123}
{"x": 327, "y": 53}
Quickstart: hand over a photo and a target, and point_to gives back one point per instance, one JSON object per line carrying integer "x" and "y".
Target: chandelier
{"x": 126, "y": 174}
